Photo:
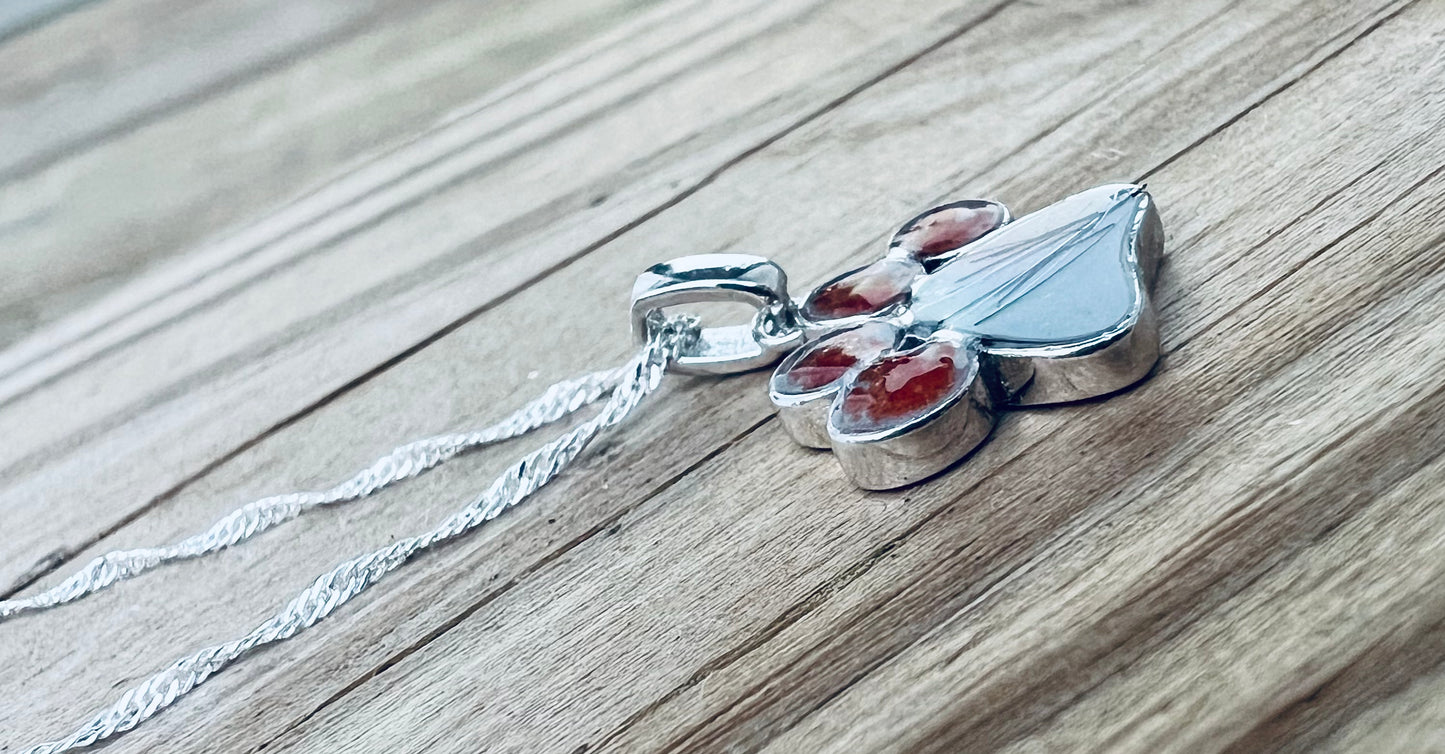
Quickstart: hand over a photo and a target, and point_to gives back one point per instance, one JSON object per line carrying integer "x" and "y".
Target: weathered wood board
{"x": 238, "y": 267}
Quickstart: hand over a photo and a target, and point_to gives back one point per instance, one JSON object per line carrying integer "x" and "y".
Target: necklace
{"x": 900, "y": 367}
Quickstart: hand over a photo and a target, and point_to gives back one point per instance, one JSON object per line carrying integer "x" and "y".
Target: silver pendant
{"x": 902, "y": 367}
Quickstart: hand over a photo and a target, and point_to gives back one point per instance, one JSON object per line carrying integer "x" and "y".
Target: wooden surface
{"x": 249, "y": 245}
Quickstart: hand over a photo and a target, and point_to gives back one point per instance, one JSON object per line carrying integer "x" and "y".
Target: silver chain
{"x": 253, "y": 518}
{"x": 633, "y": 382}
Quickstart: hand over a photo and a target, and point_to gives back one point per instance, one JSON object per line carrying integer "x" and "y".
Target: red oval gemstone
{"x": 863, "y": 291}
{"x": 829, "y": 359}
{"x": 900, "y": 387}
{"x": 949, "y": 227}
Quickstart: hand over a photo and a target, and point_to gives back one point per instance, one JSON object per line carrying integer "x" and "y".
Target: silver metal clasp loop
{"x": 742, "y": 278}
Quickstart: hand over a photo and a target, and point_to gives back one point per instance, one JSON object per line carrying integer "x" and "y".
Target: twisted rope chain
{"x": 404, "y": 462}
{"x": 335, "y": 588}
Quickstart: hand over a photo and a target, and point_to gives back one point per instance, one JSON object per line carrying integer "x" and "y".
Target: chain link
{"x": 636, "y": 380}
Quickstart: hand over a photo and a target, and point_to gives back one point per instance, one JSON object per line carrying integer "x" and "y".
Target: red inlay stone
{"x": 821, "y": 367}
{"x": 900, "y": 387}
{"x": 829, "y": 359}
{"x": 949, "y": 227}
{"x": 863, "y": 291}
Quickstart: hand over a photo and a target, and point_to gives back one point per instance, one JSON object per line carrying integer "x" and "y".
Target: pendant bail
{"x": 741, "y": 278}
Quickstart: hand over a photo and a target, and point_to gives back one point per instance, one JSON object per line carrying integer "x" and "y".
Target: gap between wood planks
{"x": 62, "y": 558}
{"x": 800, "y": 609}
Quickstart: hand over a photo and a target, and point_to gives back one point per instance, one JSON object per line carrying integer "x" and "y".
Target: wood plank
{"x": 1409, "y": 719}
{"x": 650, "y": 630}
{"x": 296, "y": 288}
{"x": 96, "y": 74}
{"x": 108, "y": 67}
{"x": 1347, "y": 617}
{"x": 135, "y": 129}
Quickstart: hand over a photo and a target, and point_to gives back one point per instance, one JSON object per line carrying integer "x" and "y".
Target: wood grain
{"x": 1237, "y": 555}
{"x": 137, "y": 128}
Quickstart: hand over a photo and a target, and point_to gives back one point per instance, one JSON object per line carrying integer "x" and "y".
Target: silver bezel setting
{"x": 924, "y": 444}
{"x": 934, "y": 261}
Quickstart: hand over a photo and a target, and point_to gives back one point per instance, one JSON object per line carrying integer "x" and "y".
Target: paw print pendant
{"x": 902, "y": 367}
